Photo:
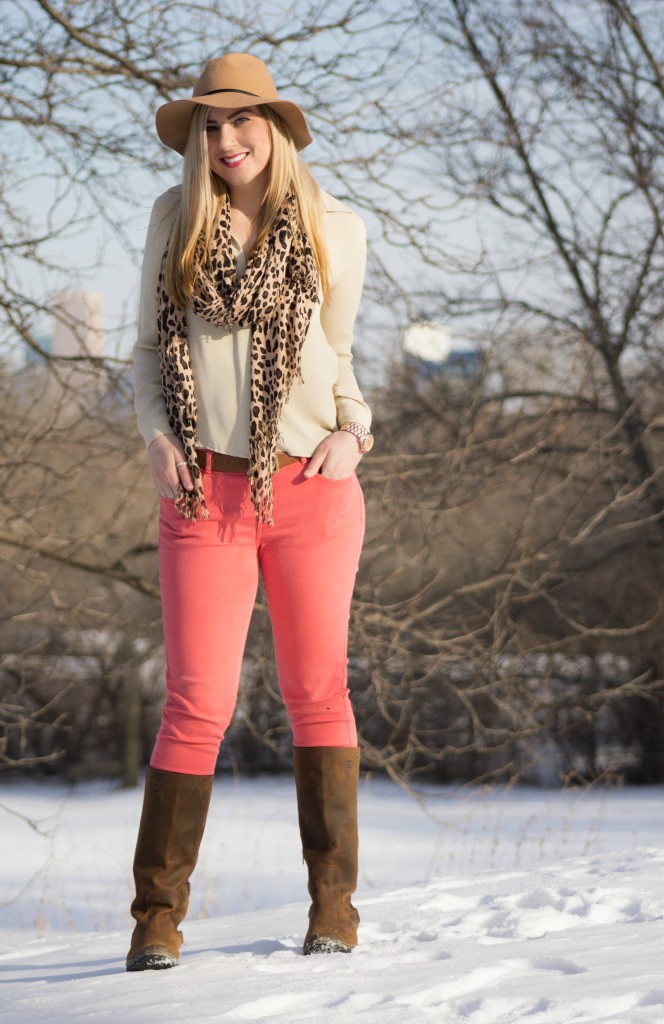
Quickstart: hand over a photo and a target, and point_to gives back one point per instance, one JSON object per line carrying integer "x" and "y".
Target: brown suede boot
{"x": 175, "y": 809}
{"x": 326, "y": 783}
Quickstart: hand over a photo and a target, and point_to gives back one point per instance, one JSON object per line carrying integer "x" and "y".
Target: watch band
{"x": 363, "y": 435}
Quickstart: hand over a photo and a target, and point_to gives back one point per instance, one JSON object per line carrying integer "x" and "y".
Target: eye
{"x": 211, "y": 126}
{"x": 242, "y": 117}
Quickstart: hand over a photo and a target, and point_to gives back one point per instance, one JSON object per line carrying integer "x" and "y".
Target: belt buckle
{"x": 275, "y": 463}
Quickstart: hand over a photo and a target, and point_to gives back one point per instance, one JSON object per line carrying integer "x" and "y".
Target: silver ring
{"x": 180, "y": 464}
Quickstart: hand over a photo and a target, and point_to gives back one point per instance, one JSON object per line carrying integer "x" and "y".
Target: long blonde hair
{"x": 202, "y": 192}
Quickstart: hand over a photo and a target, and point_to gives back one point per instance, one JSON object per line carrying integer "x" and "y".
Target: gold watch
{"x": 364, "y": 437}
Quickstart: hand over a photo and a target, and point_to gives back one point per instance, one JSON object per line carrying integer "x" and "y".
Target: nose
{"x": 226, "y": 137}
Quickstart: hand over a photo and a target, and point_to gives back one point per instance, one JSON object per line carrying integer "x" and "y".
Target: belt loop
{"x": 208, "y": 460}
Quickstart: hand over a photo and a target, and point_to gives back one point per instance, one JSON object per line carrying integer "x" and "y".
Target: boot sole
{"x": 323, "y": 945}
{"x": 151, "y": 962}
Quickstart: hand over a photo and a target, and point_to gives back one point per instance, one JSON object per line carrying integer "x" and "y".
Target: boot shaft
{"x": 173, "y": 818}
{"x": 326, "y": 781}
{"x": 172, "y": 822}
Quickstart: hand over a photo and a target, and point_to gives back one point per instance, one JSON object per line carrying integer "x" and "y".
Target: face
{"x": 239, "y": 146}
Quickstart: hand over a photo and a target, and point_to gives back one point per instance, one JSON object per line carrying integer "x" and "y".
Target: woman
{"x": 246, "y": 398}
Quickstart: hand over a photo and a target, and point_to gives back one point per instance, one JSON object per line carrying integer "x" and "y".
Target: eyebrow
{"x": 244, "y": 110}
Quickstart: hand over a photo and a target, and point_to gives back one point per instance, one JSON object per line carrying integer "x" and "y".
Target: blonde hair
{"x": 202, "y": 191}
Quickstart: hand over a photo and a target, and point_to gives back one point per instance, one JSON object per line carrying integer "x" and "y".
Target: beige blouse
{"x": 328, "y": 395}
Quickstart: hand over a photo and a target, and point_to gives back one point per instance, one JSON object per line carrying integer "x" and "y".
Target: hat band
{"x": 243, "y": 91}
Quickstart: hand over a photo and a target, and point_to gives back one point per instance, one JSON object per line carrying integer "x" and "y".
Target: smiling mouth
{"x": 234, "y": 161}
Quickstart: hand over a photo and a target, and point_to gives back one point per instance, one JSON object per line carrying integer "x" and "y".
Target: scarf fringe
{"x": 191, "y": 505}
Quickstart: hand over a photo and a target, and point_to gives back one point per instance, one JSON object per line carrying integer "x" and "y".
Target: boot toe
{"x": 325, "y": 944}
{"x": 152, "y": 959}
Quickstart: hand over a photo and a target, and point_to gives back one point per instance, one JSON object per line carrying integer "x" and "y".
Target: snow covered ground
{"x": 478, "y": 907}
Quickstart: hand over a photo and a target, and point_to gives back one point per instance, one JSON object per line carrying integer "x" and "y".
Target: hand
{"x": 164, "y": 454}
{"x": 335, "y": 457}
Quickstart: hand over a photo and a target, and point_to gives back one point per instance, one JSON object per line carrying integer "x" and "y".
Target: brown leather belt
{"x": 220, "y": 463}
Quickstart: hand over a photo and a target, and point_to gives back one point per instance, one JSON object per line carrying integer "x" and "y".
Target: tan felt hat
{"x": 235, "y": 80}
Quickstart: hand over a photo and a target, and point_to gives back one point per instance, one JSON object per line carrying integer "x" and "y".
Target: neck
{"x": 247, "y": 199}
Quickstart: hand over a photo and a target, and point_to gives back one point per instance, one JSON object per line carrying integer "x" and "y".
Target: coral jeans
{"x": 209, "y": 572}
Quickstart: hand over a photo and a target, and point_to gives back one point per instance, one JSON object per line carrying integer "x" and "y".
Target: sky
{"x": 102, "y": 261}
{"x": 387, "y": 60}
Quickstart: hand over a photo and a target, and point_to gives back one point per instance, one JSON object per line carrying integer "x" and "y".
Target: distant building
{"x": 34, "y": 357}
{"x": 78, "y": 324}
{"x": 430, "y": 350}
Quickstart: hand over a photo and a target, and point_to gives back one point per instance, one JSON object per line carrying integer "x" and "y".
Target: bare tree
{"x": 79, "y": 83}
{"x": 507, "y": 161}
{"x": 546, "y": 131}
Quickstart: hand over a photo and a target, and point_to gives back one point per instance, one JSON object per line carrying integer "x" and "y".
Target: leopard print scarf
{"x": 275, "y": 297}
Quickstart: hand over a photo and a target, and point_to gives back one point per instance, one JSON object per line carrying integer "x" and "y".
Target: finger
{"x": 314, "y": 464}
{"x": 317, "y": 460}
{"x": 184, "y": 475}
{"x": 185, "y": 478}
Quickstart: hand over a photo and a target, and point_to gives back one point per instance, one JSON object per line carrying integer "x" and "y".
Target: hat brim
{"x": 173, "y": 119}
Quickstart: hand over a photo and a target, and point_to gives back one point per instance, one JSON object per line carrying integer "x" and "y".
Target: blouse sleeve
{"x": 148, "y": 395}
{"x": 338, "y": 318}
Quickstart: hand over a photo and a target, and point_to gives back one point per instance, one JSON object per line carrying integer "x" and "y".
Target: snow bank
{"x": 491, "y": 908}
